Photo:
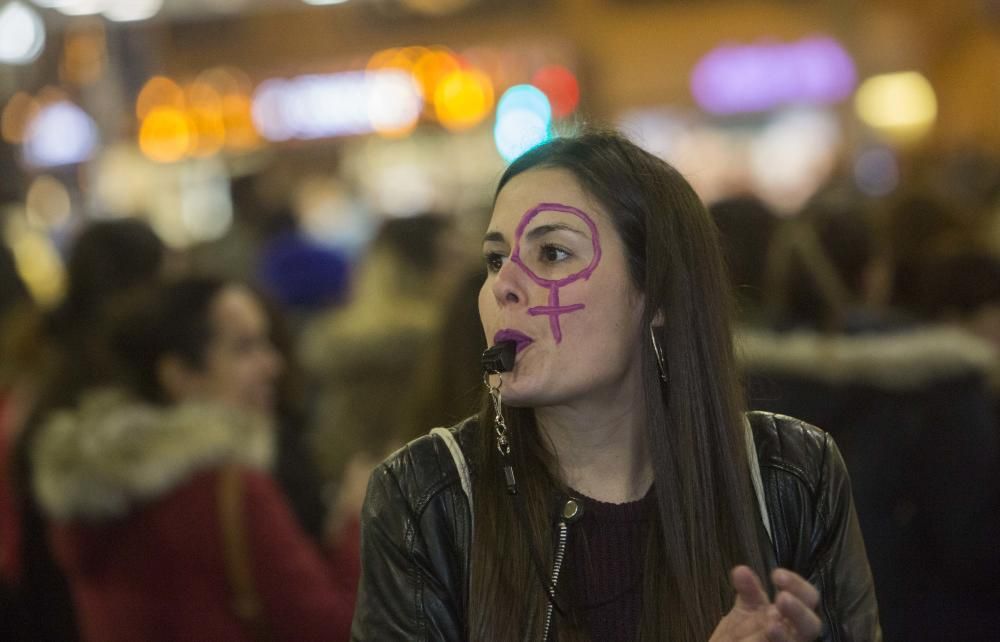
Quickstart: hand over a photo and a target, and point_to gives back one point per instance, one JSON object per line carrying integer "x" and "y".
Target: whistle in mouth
{"x": 499, "y": 358}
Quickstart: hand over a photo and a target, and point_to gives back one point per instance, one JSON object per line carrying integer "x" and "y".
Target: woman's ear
{"x": 177, "y": 379}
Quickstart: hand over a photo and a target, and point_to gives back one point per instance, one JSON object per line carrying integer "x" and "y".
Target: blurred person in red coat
{"x": 54, "y": 354}
{"x": 164, "y": 516}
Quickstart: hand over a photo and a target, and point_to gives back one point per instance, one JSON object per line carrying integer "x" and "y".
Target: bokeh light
{"x": 22, "y": 34}
{"x": 47, "y": 203}
{"x": 209, "y": 114}
{"x": 752, "y": 78}
{"x": 226, "y": 80}
{"x": 165, "y": 135}
{"x": 208, "y": 131}
{"x": 84, "y": 53}
{"x": 902, "y": 106}
{"x": 81, "y": 7}
{"x": 326, "y": 105}
{"x": 202, "y": 95}
{"x": 394, "y": 102}
{"x": 560, "y": 86}
{"x": 430, "y": 70}
{"x": 131, "y": 10}
{"x": 204, "y": 110}
{"x": 525, "y": 98}
{"x": 225, "y": 91}
{"x": 37, "y": 261}
{"x": 20, "y": 110}
{"x": 268, "y": 110}
{"x": 524, "y": 119}
{"x": 61, "y": 134}
{"x": 793, "y": 156}
{"x": 401, "y": 58}
{"x": 159, "y": 91}
{"x": 204, "y": 216}
{"x": 237, "y": 118}
{"x": 463, "y": 99}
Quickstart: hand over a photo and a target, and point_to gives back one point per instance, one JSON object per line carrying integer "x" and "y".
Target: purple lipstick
{"x": 521, "y": 340}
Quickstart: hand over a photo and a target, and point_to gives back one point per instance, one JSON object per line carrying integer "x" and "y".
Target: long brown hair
{"x": 707, "y": 521}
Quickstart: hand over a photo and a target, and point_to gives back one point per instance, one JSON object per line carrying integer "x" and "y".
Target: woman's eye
{"x": 553, "y": 254}
{"x": 494, "y": 261}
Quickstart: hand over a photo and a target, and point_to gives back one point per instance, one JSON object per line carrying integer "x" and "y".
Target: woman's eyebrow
{"x": 494, "y": 237}
{"x": 542, "y": 230}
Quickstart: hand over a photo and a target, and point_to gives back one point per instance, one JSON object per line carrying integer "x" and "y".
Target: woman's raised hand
{"x": 755, "y": 618}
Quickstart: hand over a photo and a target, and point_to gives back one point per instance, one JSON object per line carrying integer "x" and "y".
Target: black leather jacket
{"x": 416, "y": 535}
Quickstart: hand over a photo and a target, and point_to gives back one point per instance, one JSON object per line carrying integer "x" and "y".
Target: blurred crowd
{"x": 186, "y": 438}
{"x": 879, "y": 321}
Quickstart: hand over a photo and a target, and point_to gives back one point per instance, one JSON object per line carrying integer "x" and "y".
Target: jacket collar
{"x": 896, "y": 360}
{"x": 111, "y": 452}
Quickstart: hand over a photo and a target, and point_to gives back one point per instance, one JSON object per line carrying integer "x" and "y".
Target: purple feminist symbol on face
{"x": 554, "y": 309}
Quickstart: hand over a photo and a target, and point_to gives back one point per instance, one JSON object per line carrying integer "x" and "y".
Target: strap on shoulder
{"x": 463, "y": 467}
{"x": 236, "y": 553}
{"x": 758, "y": 482}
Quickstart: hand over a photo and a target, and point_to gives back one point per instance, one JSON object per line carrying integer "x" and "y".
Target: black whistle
{"x": 499, "y": 358}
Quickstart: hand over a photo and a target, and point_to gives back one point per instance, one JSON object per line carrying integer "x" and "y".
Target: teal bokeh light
{"x": 524, "y": 119}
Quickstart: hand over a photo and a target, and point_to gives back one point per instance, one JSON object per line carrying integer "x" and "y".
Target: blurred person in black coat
{"x": 107, "y": 260}
{"x": 909, "y": 405}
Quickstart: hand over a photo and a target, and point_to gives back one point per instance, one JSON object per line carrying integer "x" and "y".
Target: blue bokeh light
{"x": 524, "y": 120}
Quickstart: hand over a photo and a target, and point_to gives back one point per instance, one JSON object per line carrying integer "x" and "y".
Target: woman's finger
{"x": 803, "y": 619}
{"x": 777, "y": 629}
{"x": 750, "y": 594}
{"x": 796, "y": 585}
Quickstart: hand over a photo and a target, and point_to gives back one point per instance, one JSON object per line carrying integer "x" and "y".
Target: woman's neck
{"x": 601, "y": 448}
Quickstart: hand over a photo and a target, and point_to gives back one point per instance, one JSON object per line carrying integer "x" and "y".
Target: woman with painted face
{"x": 613, "y": 488}
{"x": 165, "y": 519}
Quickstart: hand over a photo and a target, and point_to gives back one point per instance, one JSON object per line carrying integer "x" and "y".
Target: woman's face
{"x": 558, "y": 285}
{"x": 241, "y": 366}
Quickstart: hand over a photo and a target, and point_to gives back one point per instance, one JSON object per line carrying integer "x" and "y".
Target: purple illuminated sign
{"x": 750, "y": 78}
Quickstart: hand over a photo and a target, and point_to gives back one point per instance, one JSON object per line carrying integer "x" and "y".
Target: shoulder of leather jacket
{"x": 790, "y": 445}
{"x": 424, "y": 467}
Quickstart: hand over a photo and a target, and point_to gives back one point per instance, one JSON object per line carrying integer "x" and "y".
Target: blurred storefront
{"x": 348, "y": 112}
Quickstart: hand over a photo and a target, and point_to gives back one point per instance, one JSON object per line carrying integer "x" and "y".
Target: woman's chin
{"x": 521, "y": 394}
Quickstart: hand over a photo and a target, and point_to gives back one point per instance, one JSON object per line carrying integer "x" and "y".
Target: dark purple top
{"x": 604, "y": 566}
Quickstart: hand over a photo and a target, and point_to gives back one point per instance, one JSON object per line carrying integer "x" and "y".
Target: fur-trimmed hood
{"x": 97, "y": 461}
{"x": 897, "y": 360}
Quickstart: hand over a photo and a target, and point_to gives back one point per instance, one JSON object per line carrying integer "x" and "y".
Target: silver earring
{"x": 659, "y": 355}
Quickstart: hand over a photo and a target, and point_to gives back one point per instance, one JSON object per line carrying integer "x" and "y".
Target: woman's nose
{"x": 508, "y": 286}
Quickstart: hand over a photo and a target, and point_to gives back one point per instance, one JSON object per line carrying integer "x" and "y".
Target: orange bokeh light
{"x": 20, "y": 110}
{"x": 166, "y": 134}
{"x": 237, "y": 116}
{"x": 202, "y": 95}
{"x": 159, "y": 91}
{"x": 208, "y": 129}
{"x": 84, "y": 53}
{"x": 431, "y": 69}
{"x": 463, "y": 99}
{"x": 404, "y": 58}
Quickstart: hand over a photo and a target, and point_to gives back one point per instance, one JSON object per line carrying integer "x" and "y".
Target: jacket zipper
{"x": 556, "y": 567}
